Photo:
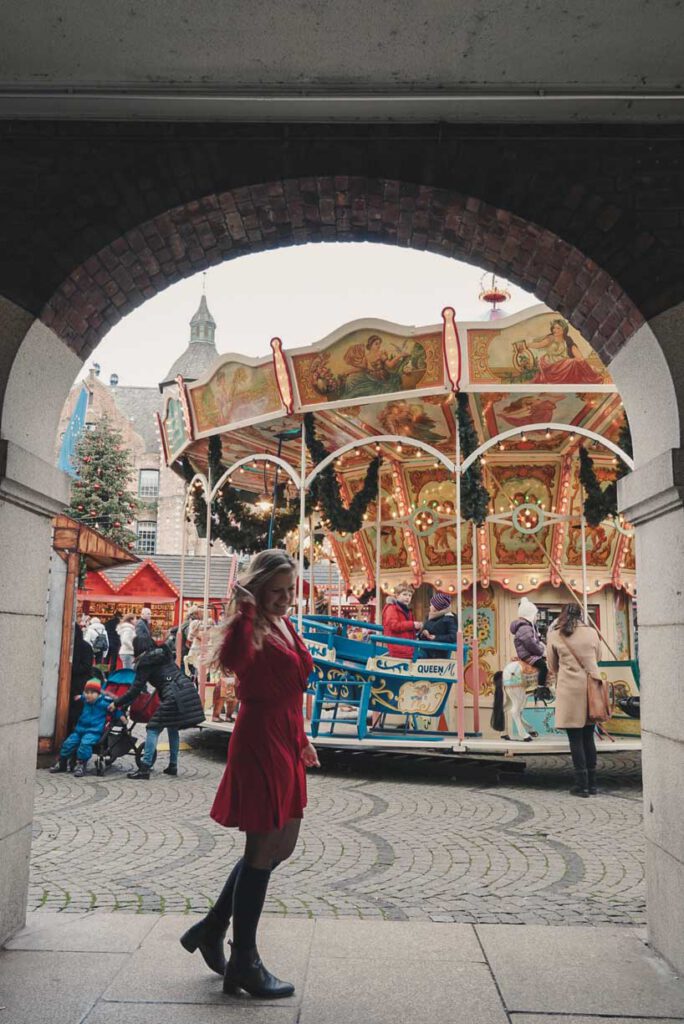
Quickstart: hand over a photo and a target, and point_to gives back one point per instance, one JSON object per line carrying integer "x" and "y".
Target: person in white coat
{"x": 126, "y": 631}
{"x": 96, "y": 635}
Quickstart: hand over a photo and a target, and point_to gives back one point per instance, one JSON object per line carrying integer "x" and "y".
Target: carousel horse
{"x": 510, "y": 694}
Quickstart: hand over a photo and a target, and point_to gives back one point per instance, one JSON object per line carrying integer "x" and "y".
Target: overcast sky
{"x": 299, "y": 294}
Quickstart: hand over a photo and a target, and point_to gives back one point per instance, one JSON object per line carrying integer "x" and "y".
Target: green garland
{"x": 601, "y": 502}
{"x": 234, "y": 520}
{"x": 475, "y": 498}
{"x": 596, "y": 503}
{"x": 325, "y": 489}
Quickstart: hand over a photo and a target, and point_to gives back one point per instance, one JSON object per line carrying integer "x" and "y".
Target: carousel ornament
{"x": 494, "y": 294}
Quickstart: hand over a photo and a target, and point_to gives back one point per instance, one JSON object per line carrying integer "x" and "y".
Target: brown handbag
{"x": 599, "y": 708}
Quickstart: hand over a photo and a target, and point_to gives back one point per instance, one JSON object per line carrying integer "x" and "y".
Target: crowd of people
{"x": 127, "y": 641}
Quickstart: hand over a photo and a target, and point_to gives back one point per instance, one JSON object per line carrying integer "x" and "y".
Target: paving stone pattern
{"x": 383, "y": 837}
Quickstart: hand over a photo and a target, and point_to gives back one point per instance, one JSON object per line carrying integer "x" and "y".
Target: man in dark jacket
{"x": 142, "y": 626}
{"x": 180, "y": 705}
{"x": 114, "y": 640}
{"x": 440, "y": 626}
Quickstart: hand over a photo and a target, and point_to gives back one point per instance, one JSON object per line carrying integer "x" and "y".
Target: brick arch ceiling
{"x": 202, "y": 233}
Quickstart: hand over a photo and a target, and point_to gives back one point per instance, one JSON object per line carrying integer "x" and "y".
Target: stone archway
{"x": 217, "y": 227}
{"x": 645, "y": 361}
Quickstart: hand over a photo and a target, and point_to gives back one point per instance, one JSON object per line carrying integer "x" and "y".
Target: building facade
{"x": 132, "y": 410}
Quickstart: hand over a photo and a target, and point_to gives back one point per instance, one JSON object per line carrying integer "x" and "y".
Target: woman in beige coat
{"x": 572, "y": 653}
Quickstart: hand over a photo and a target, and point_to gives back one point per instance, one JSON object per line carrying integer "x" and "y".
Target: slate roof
{"x": 194, "y": 573}
{"x": 139, "y": 405}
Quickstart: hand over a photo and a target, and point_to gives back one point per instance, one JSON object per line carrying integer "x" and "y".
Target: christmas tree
{"x": 100, "y": 495}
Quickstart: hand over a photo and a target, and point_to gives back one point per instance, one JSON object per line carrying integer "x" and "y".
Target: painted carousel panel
{"x": 368, "y": 362}
{"x": 235, "y": 393}
{"x": 543, "y": 350}
{"x": 175, "y": 426}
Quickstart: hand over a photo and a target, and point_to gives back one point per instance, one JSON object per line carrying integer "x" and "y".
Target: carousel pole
{"x": 378, "y": 552}
{"x": 302, "y": 517}
{"x": 184, "y": 546}
{"x": 460, "y": 686}
{"x": 585, "y": 599}
{"x": 312, "y": 558}
{"x": 202, "y": 673}
{"x": 475, "y": 649}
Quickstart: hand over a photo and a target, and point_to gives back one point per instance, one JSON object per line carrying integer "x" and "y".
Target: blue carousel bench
{"x": 355, "y": 673}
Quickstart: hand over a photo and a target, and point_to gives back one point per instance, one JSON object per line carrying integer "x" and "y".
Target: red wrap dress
{"x": 264, "y": 782}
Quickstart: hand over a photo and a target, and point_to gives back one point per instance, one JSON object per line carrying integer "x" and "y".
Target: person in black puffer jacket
{"x": 440, "y": 626}
{"x": 180, "y": 705}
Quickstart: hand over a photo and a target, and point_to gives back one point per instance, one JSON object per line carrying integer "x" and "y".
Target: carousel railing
{"x": 355, "y": 678}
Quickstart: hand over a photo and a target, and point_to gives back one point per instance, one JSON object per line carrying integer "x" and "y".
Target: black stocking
{"x": 248, "y": 902}
{"x": 223, "y": 907}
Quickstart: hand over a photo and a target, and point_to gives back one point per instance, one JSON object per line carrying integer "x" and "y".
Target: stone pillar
{"x": 32, "y": 490}
{"x": 25, "y": 531}
{"x": 653, "y": 499}
{"x": 649, "y": 372}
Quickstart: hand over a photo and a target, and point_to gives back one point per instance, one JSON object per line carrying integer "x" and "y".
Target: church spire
{"x": 203, "y": 325}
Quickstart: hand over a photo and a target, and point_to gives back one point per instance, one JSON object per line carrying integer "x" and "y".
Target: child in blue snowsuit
{"x": 88, "y": 731}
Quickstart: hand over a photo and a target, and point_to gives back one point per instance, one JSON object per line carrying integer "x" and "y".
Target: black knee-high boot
{"x": 245, "y": 969}
{"x": 208, "y": 935}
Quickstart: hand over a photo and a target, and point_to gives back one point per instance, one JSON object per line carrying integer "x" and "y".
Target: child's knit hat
{"x": 93, "y": 684}
{"x": 440, "y": 602}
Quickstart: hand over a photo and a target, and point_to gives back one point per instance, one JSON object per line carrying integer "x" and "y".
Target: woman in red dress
{"x": 263, "y": 789}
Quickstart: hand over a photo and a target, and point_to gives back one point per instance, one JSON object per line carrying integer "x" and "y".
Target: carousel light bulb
{"x": 523, "y": 437}
{"x": 547, "y": 435}
{"x": 452, "y": 588}
{"x": 501, "y": 446}
{"x": 520, "y": 586}
{"x": 506, "y": 580}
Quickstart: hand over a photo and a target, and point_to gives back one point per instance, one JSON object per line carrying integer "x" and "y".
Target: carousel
{"x": 475, "y": 459}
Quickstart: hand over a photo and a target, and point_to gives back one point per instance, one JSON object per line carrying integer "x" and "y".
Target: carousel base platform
{"x": 345, "y": 738}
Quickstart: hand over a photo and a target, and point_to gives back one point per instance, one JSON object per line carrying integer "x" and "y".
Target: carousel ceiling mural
{"x": 372, "y": 378}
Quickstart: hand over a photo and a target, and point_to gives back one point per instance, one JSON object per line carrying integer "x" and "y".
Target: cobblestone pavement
{"x": 384, "y": 836}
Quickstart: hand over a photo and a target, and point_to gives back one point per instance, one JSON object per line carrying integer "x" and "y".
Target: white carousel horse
{"x": 510, "y": 695}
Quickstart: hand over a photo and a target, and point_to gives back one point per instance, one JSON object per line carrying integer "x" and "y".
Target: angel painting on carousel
{"x": 562, "y": 362}
{"x": 410, "y": 420}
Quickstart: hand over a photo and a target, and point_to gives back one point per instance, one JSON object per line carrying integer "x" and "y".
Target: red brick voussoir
{"x": 217, "y": 227}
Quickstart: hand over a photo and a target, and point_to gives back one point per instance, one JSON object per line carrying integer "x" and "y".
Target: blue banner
{"x": 72, "y": 434}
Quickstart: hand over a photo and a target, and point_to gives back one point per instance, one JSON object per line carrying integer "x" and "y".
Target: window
{"x": 548, "y": 613}
{"x": 148, "y": 483}
{"x": 147, "y": 538}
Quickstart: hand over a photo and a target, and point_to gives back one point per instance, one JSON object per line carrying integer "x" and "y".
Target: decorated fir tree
{"x": 101, "y": 495}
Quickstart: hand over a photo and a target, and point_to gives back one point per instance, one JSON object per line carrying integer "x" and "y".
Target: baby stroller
{"x": 118, "y": 738}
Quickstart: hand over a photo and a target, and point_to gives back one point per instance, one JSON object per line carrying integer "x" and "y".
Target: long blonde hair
{"x": 260, "y": 571}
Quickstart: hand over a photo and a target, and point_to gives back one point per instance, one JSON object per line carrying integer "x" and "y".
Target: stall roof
{"x": 194, "y": 573}
{"x": 99, "y": 552}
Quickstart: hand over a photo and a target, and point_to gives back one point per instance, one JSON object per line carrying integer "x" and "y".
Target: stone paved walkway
{"x": 384, "y": 837}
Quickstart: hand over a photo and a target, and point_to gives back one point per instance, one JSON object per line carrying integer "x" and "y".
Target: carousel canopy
{"x": 536, "y": 392}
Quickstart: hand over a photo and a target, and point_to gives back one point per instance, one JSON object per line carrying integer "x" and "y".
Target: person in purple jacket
{"x": 529, "y": 645}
